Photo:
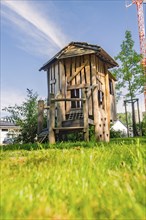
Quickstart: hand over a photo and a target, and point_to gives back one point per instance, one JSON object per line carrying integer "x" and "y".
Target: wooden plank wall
{"x": 81, "y": 79}
{"x": 80, "y": 72}
{"x": 102, "y": 127}
{"x": 113, "y": 103}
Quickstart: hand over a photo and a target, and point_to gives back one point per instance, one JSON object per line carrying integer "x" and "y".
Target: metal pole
{"x": 139, "y": 117}
{"x": 126, "y": 118}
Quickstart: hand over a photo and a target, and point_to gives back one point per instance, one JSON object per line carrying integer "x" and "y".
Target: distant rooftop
{"x": 4, "y": 122}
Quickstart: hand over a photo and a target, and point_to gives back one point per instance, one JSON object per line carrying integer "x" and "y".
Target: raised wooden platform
{"x": 73, "y": 123}
{"x": 68, "y": 129}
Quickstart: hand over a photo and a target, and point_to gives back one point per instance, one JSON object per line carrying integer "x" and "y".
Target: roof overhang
{"x": 78, "y": 49}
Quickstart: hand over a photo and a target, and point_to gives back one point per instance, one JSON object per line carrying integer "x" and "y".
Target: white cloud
{"x": 40, "y": 33}
{"x": 9, "y": 97}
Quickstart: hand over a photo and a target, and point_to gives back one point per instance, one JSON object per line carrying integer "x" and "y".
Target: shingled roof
{"x": 81, "y": 48}
{"x": 7, "y": 124}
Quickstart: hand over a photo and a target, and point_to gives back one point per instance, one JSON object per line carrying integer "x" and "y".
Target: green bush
{"x": 116, "y": 134}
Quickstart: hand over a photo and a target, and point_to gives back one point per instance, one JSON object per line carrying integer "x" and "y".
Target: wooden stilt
{"x": 52, "y": 120}
{"x": 85, "y": 112}
{"x": 108, "y": 106}
{"x": 63, "y": 87}
{"x": 95, "y": 98}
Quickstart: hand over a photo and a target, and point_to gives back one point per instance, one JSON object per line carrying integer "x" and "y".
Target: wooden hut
{"x": 81, "y": 91}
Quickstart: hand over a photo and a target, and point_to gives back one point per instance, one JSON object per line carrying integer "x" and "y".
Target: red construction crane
{"x": 142, "y": 39}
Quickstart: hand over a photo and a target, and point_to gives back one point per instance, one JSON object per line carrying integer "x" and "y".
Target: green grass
{"x": 77, "y": 181}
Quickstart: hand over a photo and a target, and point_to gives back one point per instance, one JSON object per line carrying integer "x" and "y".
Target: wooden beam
{"x": 62, "y": 86}
{"x": 87, "y": 80}
{"x": 77, "y": 72}
{"x": 78, "y": 86}
{"x": 99, "y": 80}
{"x": 95, "y": 98}
{"x": 68, "y": 75}
{"x": 83, "y": 70}
{"x": 85, "y": 112}
{"x": 48, "y": 98}
{"x": 68, "y": 128}
{"x": 48, "y": 85}
{"x": 52, "y": 121}
{"x": 60, "y": 110}
{"x": 90, "y": 90}
{"x": 67, "y": 99}
{"x": 100, "y": 74}
{"x": 108, "y": 104}
{"x": 73, "y": 82}
{"x": 93, "y": 86}
{"x": 46, "y": 107}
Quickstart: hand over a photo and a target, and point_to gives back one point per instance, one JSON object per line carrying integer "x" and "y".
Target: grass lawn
{"x": 105, "y": 181}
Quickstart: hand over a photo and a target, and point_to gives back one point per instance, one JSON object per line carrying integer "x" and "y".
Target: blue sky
{"x": 32, "y": 31}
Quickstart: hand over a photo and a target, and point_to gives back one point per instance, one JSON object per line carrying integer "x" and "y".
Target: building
{"x": 119, "y": 126}
{"x": 81, "y": 91}
{"x": 8, "y": 130}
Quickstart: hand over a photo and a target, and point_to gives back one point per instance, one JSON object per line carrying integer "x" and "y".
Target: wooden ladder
{"x": 75, "y": 114}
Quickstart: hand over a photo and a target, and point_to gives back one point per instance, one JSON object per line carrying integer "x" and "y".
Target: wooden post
{"x": 108, "y": 104}
{"x": 48, "y": 99}
{"x": 114, "y": 100}
{"x": 95, "y": 98}
{"x": 60, "y": 117}
{"x": 85, "y": 112}
{"x": 40, "y": 116}
{"x": 63, "y": 87}
{"x": 67, "y": 93}
{"x": 52, "y": 120}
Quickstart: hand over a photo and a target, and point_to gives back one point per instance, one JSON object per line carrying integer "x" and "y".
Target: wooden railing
{"x": 51, "y": 115}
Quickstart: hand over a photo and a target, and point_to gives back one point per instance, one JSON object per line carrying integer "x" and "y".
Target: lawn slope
{"x": 102, "y": 182}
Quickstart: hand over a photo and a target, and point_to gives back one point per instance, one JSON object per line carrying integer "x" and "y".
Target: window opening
{"x": 76, "y": 93}
{"x": 111, "y": 87}
{"x": 4, "y": 129}
{"x": 101, "y": 98}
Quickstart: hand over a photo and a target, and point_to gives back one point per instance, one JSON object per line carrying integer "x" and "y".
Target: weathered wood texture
{"x": 51, "y": 136}
{"x": 85, "y": 112}
{"x": 113, "y": 109}
{"x": 95, "y": 97}
{"x": 68, "y": 77}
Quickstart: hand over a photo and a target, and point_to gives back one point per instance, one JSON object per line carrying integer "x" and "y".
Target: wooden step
{"x": 68, "y": 129}
{"x": 73, "y": 123}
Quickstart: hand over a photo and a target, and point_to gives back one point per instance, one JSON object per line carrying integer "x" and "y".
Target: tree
{"x": 130, "y": 74}
{"x": 122, "y": 118}
{"x": 25, "y": 116}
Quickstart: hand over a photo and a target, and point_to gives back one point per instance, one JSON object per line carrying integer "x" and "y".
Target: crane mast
{"x": 141, "y": 28}
{"x": 142, "y": 39}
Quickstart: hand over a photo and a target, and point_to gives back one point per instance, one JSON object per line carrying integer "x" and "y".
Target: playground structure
{"x": 81, "y": 92}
